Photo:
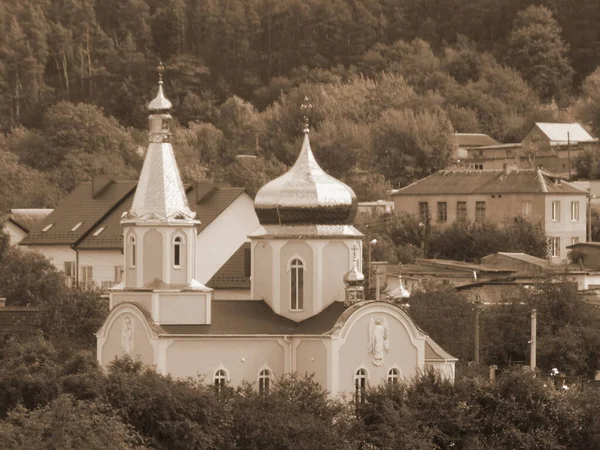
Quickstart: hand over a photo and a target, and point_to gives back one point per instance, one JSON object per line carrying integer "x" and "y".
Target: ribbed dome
{"x": 354, "y": 277}
{"x": 305, "y": 195}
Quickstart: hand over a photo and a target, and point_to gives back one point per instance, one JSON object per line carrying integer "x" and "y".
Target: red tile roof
{"x": 465, "y": 182}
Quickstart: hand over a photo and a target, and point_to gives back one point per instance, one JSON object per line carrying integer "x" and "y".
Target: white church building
{"x": 307, "y": 311}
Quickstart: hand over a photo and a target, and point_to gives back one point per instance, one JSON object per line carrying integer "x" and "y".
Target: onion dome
{"x": 354, "y": 277}
{"x": 305, "y": 195}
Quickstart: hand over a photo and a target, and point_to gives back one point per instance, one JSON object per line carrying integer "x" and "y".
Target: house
{"x": 83, "y": 236}
{"x": 495, "y": 195}
{"x": 306, "y": 312}
{"x": 375, "y": 208}
{"x": 21, "y": 221}
{"x": 465, "y": 141}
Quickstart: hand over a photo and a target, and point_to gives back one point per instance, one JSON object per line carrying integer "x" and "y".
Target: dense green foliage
{"x": 389, "y": 82}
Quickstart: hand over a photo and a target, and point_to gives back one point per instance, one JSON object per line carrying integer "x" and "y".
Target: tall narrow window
{"x": 220, "y": 379}
{"x": 526, "y": 208}
{"x": 554, "y": 246}
{"x": 393, "y": 377}
{"x": 177, "y": 252}
{"x": 360, "y": 385}
{"x": 479, "y": 210}
{"x": 297, "y": 285}
{"x": 132, "y": 251}
{"x": 442, "y": 211}
{"x": 461, "y": 210}
{"x": 556, "y": 210}
{"x": 424, "y": 212}
{"x": 575, "y": 211}
{"x": 264, "y": 381}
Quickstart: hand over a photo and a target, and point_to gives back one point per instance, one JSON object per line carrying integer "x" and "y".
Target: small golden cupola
{"x": 305, "y": 195}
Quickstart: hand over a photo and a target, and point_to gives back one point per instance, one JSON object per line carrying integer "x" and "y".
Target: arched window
{"x": 264, "y": 381}
{"x": 393, "y": 377}
{"x": 132, "y": 251}
{"x": 360, "y": 385}
{"x": 297, "y": 285}
{"x": 177, "y": 252}
{"x": 220, "y": 379}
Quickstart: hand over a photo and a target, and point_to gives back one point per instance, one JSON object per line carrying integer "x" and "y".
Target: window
{"x": 575, "y": 211}
{"x": 393, "y": 377}
{"x": 177, "y": 252}
{"x": 87, "y": 279}
{"x": 220, "y": 379}
{"x": 555, "y": 210}
{"x": 247, "y": 263}
{"x": 264, "y": 381}
{"x": 479, "y": 210}
{"x": 574, "y": 240}
{"x": 360, "y": 385}
{"x": 70, "y": 273}
{"x": 554, "y": 244}
{"x": 76, "y": 226}
{"x": 47, "y": 227}
{"x": 118, "y": 274}
{"x": 297, "y": 285}
{"x": 132, "y": 251}
{"x": 461, "y": 210}
{"x": 526, "y": 208}
{"x": 442, "y": 211}
{"x": 424, "y": 212}
{"x": 98, "y": 231}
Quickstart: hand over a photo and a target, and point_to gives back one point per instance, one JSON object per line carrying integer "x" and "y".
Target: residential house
{"x": 466, "y": 141}
{"x": 375, "y": 208}
{"x": 495, "y": 195}
{"x": 83, "y": 236}
{"x": 21, "y": 221}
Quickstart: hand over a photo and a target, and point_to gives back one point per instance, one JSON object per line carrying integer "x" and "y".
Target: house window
{"x": 480, "y": 210}
{"x": 555, "y": 210}
{"x": 264, "y": 381}
{"x": 461, "y": 210}
{"x": 526, "y": 208}
{"x": 554, "y": 243}
{"x": 132, "y": 251}
{"x": 87, "y": 278}
{"x": 360, "y": 385}
{"x": 247, "y": 263}
{"x": 70, "y": 273}
{"x": 393, "y": 377}
{"x": 424, "y": 212}
{"x": 442, "y": 211}
{"x": 177, "y": 252}
{"x": 575, "y": 211}
{"x": 220, "y": 379}
{"x": 574, "y": 240}
{"x": 297, "y": 285}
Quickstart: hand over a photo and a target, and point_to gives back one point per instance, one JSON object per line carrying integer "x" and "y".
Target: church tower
{"x": 306, "y": 242}
{"x": 159, "y": 231}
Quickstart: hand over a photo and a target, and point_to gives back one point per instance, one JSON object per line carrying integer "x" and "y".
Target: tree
{"x": 587, "y": 108}
{"x": 536, "y": 50}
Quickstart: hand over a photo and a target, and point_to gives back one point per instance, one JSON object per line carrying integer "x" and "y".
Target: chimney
{"x": 99, "y": 182}
{"x": 2, "y": 302}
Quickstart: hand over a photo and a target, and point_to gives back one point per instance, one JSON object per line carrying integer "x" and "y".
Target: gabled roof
{"x": 465, "y": 182}
{"x": 433, "y": 352}
{"x": 102, "y": 215}
{"x": 565, "y": 132}
{"x": 467, "y": 140}
{"x": 232, "y": 274}
{"x": 27, "y": 219}
{"x": 78, "y": 207}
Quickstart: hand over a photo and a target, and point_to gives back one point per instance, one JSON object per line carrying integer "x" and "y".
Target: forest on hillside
{"x": 390, "y": 81}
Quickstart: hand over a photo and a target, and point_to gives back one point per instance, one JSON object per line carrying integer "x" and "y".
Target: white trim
{"x": 295, "y": 256}
{"x": 227, "y": 377}
{"x": 297, "y": 267}
{"x": 394, "y": 367}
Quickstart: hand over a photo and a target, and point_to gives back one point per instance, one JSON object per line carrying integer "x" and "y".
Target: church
{"x": 307, "y": 311}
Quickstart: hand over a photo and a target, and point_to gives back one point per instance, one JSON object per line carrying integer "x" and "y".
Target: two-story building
{"x": 494, "y": 195}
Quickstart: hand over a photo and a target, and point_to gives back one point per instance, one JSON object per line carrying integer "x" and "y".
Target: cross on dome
{"x": 306, "y": 107}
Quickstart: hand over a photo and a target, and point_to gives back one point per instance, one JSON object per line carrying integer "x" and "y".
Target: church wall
{"x": 153, "y": 256}
{"x": 311, "y": 358}
{"x": 354, "y": 353}
{"x": 130, "y": 272}
{"x": 231, "y": 294}
{"x": 242, "y": 358}
{"x": 179, "y": 275}
{"x": 335, "y": 265}
{"x": 223, "y": 236}
{"x": 263, "y": 272}
{"x": 291, "y": 250}
{"x": 446, "y": 370}
{"x": 184, "y": 308}
{"x": 143, "y": 298}
{"x": 113, "y": 346}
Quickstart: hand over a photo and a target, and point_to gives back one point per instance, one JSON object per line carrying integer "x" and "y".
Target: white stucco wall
{"x": 311, "y": 358}
{"x": 223, "y": 236}
{"x": 565, "y": 228}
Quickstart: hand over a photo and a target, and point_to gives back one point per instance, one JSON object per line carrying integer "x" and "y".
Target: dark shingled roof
{"x": 17, "y": 320}
{"x": 106, "y": 211}
{"x": 232, "y": 274}
{"x": 256, "y": 317}
{"x": 465, "y": 182}
{"x": 467, "y": 140}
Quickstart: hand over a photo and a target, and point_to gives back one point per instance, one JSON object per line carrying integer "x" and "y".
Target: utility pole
{"x": 532, "y": 342}
{"x": 569, "y": 153}
{"x": 377, "y": 284}
{"x": 589, "y": 214}
{"x": 477, "y": 313}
